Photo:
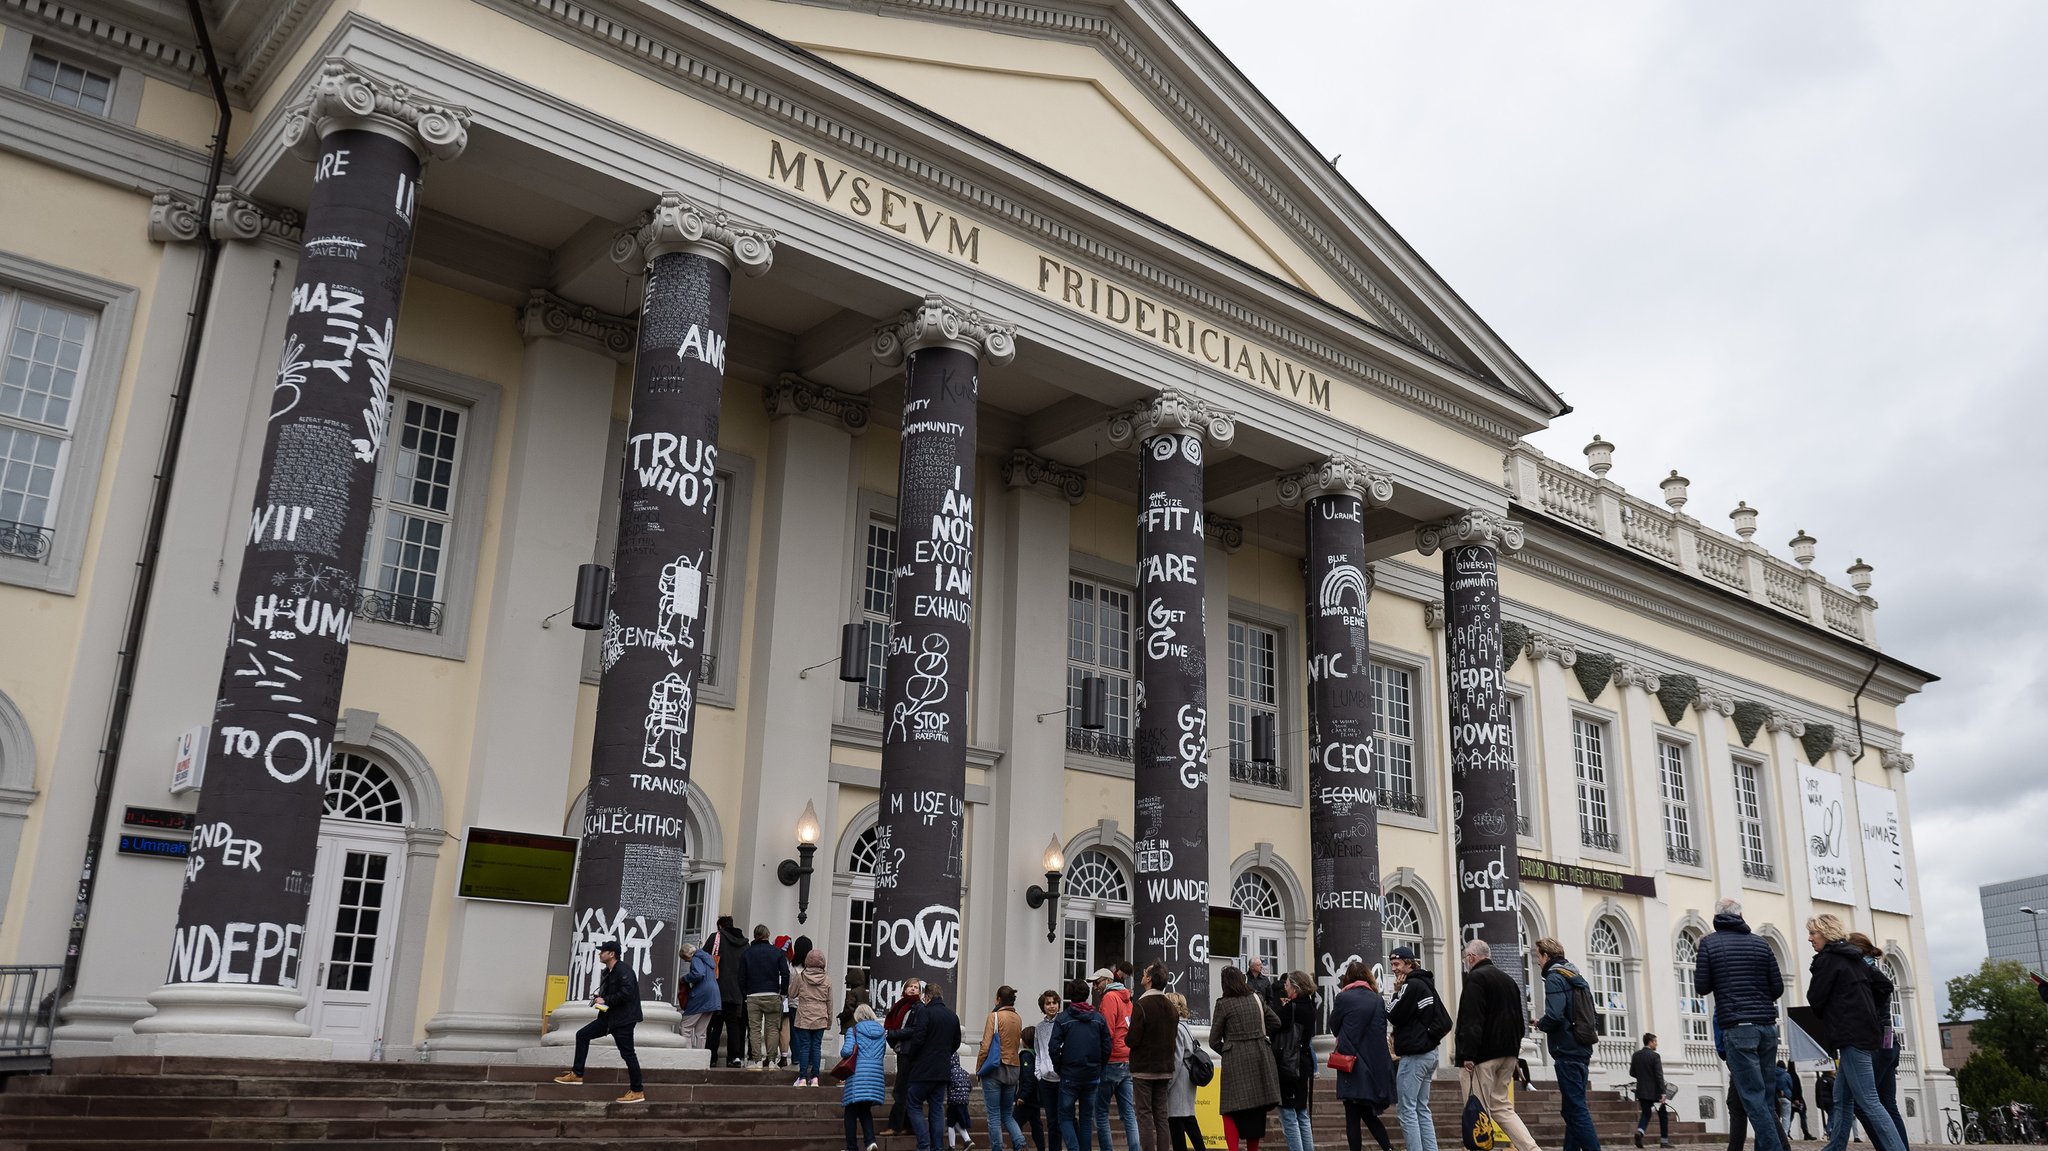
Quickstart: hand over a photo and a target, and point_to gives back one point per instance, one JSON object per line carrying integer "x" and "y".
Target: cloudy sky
{"x": 1799, "y": 253}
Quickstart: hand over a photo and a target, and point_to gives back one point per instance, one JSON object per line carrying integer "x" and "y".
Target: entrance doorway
{"x": 352, "y": 928}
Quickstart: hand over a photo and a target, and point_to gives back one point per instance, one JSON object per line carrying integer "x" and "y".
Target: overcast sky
{"x": 1799, "y": 253}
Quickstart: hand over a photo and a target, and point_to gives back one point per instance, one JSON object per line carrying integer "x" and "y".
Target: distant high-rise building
{"x": 2010, "y": 932}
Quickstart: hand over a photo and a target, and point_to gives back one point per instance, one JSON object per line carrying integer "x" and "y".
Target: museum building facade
{"x": 1174, "y": 524}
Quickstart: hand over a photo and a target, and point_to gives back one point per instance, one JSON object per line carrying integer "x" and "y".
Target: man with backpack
{"x": 1574, "y": 1027}
{"x": 1419, "y": 1021}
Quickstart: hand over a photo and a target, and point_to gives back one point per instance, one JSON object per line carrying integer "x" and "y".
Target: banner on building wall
{"x": 1884, "y": 848}
{"x": 1825, "y": 819}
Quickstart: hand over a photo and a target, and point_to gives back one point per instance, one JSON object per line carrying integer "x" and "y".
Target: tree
{"x": 2015, "y": 1018}
{"x": 1988, "y": 1081}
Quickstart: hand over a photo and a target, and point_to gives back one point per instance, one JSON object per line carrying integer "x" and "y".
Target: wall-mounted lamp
{"x": 1048, "y": 896}
{"x": 1094, "y": 704}
{"x": 1265, "y": 741}
{"x": 853, "y": 655}
{"x": 593, "y": 595}
{"x": 797, "y": 872}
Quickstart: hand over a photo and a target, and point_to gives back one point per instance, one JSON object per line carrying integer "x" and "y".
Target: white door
{"x": 347, "y": 962}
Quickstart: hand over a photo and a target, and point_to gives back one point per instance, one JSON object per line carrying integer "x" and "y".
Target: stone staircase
{"x": 121, "y": 1103}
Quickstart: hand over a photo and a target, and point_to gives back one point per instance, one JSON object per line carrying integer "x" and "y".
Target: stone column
{"x": 628, "y": 881}
{"x": 1788, "y": 827}
{"x": 1170, "y": 743}
{"x": 1722, "y": 840}
{"x": 924, "y": 737}
{"x": 233, "y": 983}
{"x": 1343, "y": 817}
{"x": 1482, "y": 758}
{"x": 1635, "y": 689}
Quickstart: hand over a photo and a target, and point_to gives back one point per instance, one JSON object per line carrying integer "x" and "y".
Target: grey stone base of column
{"x": 89, "y": 1025}
{"x": 654, "y": 1040}
{"x": 226, "y": 1020}
{"x": 479, "y": 1037}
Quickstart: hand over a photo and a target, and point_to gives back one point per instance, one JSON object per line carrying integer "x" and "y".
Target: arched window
{"x": 1095, "y": 906}
{"x": 861, "y": 863}
{"x": 1610, "y": 982}
{"x": 1893, "y": 972}
{"x": 360, "y": 789}
{"x": 1264, "y": 934}
{"x": 1526, "y": 935}
{"x": 1401, "y": 924}
{"x": 1692, "y": 1009}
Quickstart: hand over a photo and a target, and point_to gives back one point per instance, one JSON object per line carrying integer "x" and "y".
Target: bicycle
{"x": 1964, "y": 1130}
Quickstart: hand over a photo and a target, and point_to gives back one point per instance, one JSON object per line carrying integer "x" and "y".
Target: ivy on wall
{"x": 1514, "y": 640}
{"x": 1749, "y": 719}
{"x": 1676, "y": 693}
{"x": 1595, "y": 671}
{"x": 1818, "y": 741}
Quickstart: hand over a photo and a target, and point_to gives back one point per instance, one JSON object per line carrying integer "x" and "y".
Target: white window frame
{"x": 1118, "y": 578}
{"x": 872, "y": 510}
{"x": 1680, "y": 814}
{"x": 478, "y": 401}
{"x": 18, "y": 47}
{"x": 1287, "y": 759}
{"x": 1695, "y": 1018}
{"x": 1267, "y": 932}
{"x": 112, "y": 309}
{"x": 1421, "y": 704}
{"x": 1609, "y": 976}
{"x": 1757, "y": 852}
{"x": 1078, "y": 913}
{"x": 1528, "y": 791}
{"x": 1597, "y": 798}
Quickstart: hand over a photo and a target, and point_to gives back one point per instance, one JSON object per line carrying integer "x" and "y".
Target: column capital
{"x": 1846, "y": 742}
{"x": 677, "y": 223}
{"x": 345, "y": 96}
{"x": 173, "y": 219}
{"x": 1896, "y": 760}
{"x": 1636, "y": 675}
{"x": 1777, "y": 721}
{"x": 1173, "y": 410}
{"x": 548, "y": 316}
{"x": 793, "y": 395}
{"x": 234, "y": 216}
{"x": 937, "y": 322}
{"x": 1564, "y": 651}
{"x": 1714, "y": 699}
{"x": 1225, "y": 533}
{"x": 1335, "y": 475}
{"x": 1433, "y": 615}
{"x": 1021, "y": 469}
{"x": 1477, "y": 526}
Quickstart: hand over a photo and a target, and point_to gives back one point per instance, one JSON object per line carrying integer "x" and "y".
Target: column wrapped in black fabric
{"x": 248, "y": 879}
{"x": 919, "y": 836}
{"x": 1343, "y": 813}
{"x": 1483, "y": 796}
{"x": 1170, "y": 740}
{"x": 629, "y": 879}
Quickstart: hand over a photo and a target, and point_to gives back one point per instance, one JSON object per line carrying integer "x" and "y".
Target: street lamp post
{"x": 2040, "y": 953}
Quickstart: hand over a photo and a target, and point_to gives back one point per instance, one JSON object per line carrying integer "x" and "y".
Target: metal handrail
{"x": 28, "y": 1011}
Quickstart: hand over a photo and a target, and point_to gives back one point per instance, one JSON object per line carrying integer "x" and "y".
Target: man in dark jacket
{"x": 1646, "y": 1067}
{"x": 1154, "y": 1034}
{"x": 764, "y": 980}
{"x": 1739, "y": 971}
{"x": 1492, "y": 1017}
{"x": 618, "y": 1010}
{"x": 1572, "y": 1057}
{"x": 1080, "y": 1048}
{"x": 727, "y": 943}
{"x": 924, "y": 1058}
{"x": 1414, "y": 1016}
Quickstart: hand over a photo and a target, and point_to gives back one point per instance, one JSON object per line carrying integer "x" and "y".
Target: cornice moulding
{"x": 548, "y": 316}
{"x": 792, "y": 395}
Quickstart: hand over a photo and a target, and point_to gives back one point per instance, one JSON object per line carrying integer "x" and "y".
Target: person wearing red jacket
{"x": 1113, "y": 989}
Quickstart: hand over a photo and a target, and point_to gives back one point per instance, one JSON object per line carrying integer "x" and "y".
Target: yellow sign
{"x": 1208, "y": 1104}
{"x": 557, "y": 994}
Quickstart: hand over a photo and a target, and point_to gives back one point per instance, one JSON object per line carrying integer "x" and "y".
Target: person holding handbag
{"x": 866, "y": 1084}
{"x": 1294, "y": 1059}
{"x": 1238, "y": 1027}
{"x": 1002, "y": 1041}
{"x": 1180, "y": 1099}
{"x": 1362, "y": 1058}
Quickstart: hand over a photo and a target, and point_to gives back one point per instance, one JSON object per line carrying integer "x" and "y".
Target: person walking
{"x": 1824, "y": 1098}
{"x": 1002, "y": 1031}
{"x": 1841, "y": 994}
{"x": 865, "y": 1043}
{"x": 1798, "y": 1101}
{"x": 1153, "y": 1039}
{"x": 1044, "y": 1072}
{"x": 618, "y": 1011}
{"x": 1079, "y": 1048}
{"x": 856, "y": 997}
{"x": 1294, "y": 1059}
{"x": 1884, "y": 1062}
{"x": 810, "y": 995}
{"x": 1646, "y": 1067}
{"x": 1571, "y": 1051}
{"x": 1419, "y": 1021}
{"x": 727, "y": 943}
{"x": 1180, "y": 1098}
{"x": 764, "y": 981}
{"x": 1238, "y": 1028}
{"x": 1781, "y": 1096}
{"x": 926, "y": 1050}
{"x": 897, "y": 1022}
{"x": 795, "y": 951}
{"x": 1492, "y": 1018}
{"x": 1113, "y": 998}
{"x": 959, "y": 1087}
{"x": 1737, "y": 968}
{"x": 1358, "y": 1022}
{"x": 1028, "y": 1113}
{"x": 701, "y": 1005}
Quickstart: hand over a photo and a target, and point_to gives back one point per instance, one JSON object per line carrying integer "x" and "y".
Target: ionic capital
{"x": 172, "y": 219}
{"x": 1846, "y": 742}
{"x": 1784, "y": 721}
{"x": 345, "y": 96}
{"x": 1024, "y": 470}
{"x": 1636, "y": 675}
{"x": 1564, "y": 651}
{"x": 548, "y": 316}
{"x": 793, "y": 395}
{"x": 1227, "y": 534}
{"x": 1433, "y": 615}
{"x": 1335, "y": 476}
{"x": 677, "y": 223}
{"x": 236, "y": 217}
{"x": 1895, "y": 760}
{"x": 1477, "y": 526}
{"x": 1714, "y": 699}
{"x": 937, "y": 322}
{"x": 1171, "y": 411}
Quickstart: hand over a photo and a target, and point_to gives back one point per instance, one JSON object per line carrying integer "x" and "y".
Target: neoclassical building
{"x": 1184, "y": 520}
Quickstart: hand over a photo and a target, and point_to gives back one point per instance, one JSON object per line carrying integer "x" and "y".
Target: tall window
{"x": 860, "y": 909}
{"x": 1096, "y": 898}
{"x": 1254, "y": 675}
{"x": 1749, "y": 820}
{"x": 1099, "y": 643}
{"x": 1401, "y": 925}
{"x": 412, "y": 515}
{"x": 1519, "y": 785}
{"x": 1609, "y": 982}
{"x": 1898, "y": 1014}
{"x": 1265, "y": 929}
{"x": 1671, "y": 780}
{"x": 1692, "y": 1009}
{"x": 45, "y": 356}
{"x": 1393, "y": 737}
{"x": 714, "y": 561}
{"x": 1589, "y": 761}
{"x": 877, "y": 602}
{"x": 74, "y": 86}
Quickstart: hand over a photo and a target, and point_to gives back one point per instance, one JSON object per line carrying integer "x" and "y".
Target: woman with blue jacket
{"x": 866, "y": 1087}
{"x": 700, "y": 975}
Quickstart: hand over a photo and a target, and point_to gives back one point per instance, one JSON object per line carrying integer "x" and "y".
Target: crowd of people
{"x": 1118, "y": 1046}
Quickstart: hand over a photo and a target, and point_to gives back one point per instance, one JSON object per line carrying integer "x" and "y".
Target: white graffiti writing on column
{"x": 949, "y": 548}
{"x": 266, "y": 953}
{"x": 1193, "y": 745}
{"x": 932, "y": 935}
{"x": 668, "y": 721}
{"x": 291, "y": 375}
{"x": 916, "y": 717}
{"x": 636, "y": 935}
{"x": 685, "y": 469}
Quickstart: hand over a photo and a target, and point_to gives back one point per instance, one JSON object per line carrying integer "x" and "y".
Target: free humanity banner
{"x": 1884, "y": 851}
{"x": 1827, "y": 834}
